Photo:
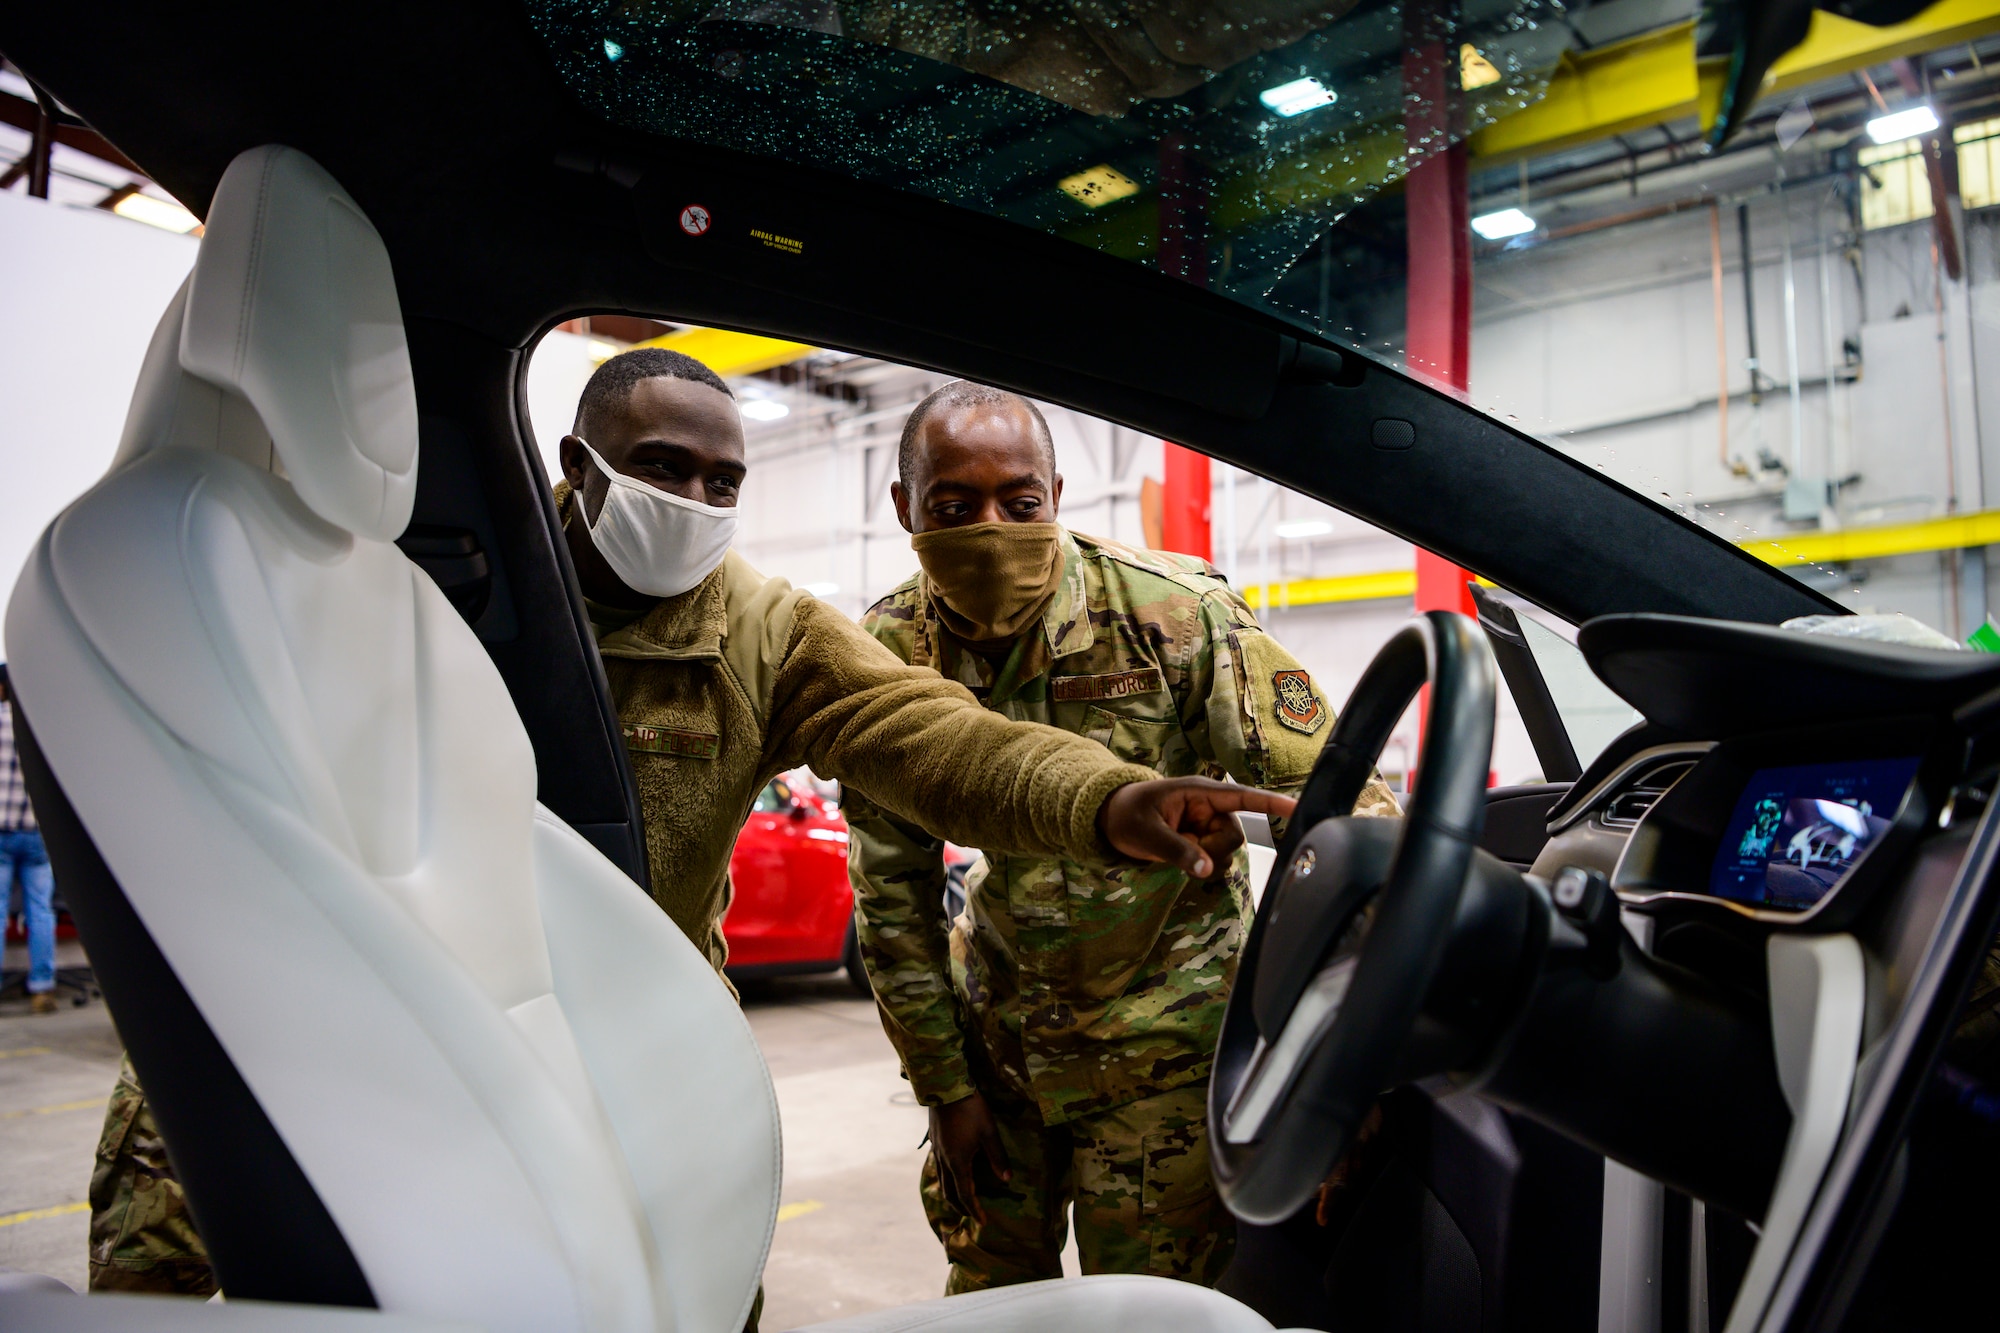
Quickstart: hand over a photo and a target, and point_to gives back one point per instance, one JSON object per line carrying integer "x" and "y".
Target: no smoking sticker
{"x": 695, "y": 219}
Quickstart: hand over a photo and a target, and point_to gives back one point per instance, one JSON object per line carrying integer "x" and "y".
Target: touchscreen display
{"x": 1796, "y": 832}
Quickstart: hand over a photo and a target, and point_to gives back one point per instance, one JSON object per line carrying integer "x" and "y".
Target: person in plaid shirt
{"x": 21, "y": 853}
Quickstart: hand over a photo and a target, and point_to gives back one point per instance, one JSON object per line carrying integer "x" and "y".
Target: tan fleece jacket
{"x": 731, "y": 683}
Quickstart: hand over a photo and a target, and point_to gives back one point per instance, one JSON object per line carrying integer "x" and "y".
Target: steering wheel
{"x": 1354, "y": 923}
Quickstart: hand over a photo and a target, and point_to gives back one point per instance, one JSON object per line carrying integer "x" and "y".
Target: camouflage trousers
{"x": 1136, "y": 1179}
{"x": 142, "y": 1237}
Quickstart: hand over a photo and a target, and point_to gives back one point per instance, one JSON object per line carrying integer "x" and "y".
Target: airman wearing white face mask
{"x": 724, "y": 678}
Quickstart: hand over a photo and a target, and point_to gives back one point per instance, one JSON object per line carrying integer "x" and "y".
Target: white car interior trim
{"x": 1698, "y": 1265}
{"x": 1262, "y": 858}
{"x": 1111, "y": 1301}
{"x": 1889, "y": 1052}
{"x": 1630, "y": 1256}
{"x": 1818, "y": 997}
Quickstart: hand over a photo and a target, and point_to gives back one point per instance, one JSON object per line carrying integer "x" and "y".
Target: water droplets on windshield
{"x": 1241, "y": 129}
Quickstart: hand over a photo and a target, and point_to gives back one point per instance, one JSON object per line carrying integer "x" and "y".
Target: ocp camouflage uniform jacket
{"x": 742, "y": 677}
{"x": 1086, "y": 986}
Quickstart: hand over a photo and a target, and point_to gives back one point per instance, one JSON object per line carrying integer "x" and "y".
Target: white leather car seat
{"x": 451, "y": 1062}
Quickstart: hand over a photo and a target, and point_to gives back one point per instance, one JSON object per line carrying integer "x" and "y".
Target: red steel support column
{"x": 1185, "y": 488}
{"x": 1184, "y": 503}
{"x": 1438, "y": 340}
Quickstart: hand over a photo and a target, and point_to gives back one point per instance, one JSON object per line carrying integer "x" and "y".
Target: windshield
{"x": 1216, "y": 140}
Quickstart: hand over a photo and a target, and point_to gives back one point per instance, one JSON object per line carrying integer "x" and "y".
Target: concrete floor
{"x": 56, "y": 1073}
{"x": 851, "y": 1235}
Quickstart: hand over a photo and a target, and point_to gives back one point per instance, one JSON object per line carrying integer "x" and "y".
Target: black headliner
{"x": 506, "y": 207}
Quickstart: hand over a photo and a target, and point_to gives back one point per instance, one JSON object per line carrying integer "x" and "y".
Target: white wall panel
{"x": 561, "y": 366}
{"x": 1899, "y": 419}
{"x": 83, "y": 291}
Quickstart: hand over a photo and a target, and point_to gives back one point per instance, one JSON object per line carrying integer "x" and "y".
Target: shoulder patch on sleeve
{"x": 1285, "y": 714}
{"x": 1295, "y": 702}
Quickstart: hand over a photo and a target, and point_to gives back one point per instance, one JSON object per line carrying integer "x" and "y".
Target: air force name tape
{"x": 669, "y": 741}
{"x": 1118, "y": 685}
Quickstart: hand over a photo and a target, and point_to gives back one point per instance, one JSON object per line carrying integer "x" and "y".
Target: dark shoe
{"x": 41, "y": 1002}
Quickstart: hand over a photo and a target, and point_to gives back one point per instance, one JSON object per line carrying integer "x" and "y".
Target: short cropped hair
{"x": 613, "y": 382}
{"x": 958, "y": 394}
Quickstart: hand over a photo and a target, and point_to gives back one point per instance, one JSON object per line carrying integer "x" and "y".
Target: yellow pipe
{"x": 1827, "y": 548}
{"x": 1377, "y": 586}
{"x": 1956, "y": 532}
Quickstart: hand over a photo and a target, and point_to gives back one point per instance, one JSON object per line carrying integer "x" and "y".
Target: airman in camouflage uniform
{"x": 142, "y": 1237}
{"x": 1083, "y": 1001}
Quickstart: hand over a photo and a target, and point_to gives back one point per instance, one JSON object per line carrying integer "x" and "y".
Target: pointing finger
{"x": 1225, "y": 798}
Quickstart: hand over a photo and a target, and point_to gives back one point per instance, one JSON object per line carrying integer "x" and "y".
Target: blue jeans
{"x": 21, "y": 853}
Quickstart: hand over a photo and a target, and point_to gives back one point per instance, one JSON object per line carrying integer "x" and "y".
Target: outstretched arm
{"x": 922, "y": 748}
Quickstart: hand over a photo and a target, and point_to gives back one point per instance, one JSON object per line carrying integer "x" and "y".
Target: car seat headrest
{"x": 292, "y": 310}
{"x": 171, "y": 408}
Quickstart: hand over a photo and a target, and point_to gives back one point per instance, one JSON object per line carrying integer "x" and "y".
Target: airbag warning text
{"x": 771, "y": 240}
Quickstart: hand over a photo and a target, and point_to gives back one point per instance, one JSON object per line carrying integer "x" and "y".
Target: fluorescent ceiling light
{"x": 1305, "y": 527}
{"x": 1298, "y": 97}
{"x": 162, "y": 213}
{"x": 1499, "y": 226}
{"x": 1905, "y": 124}
{"x": 1098, "y": 186}
{"x": 764, "y": 409}
{"x": 820, "y": 589}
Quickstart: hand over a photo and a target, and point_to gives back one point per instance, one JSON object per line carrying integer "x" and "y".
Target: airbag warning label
{"x": 771, "y": 240}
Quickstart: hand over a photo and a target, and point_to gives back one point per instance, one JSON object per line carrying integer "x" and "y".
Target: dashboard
{"x": 1797, "y": 833}
{"x": 1784, "y": 827}
{"x": 1778, "y": 778}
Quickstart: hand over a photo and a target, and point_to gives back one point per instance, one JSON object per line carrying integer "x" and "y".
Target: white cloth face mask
{"x": 659, "y": 544}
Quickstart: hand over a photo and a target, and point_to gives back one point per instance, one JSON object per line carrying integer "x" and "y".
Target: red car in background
{"x": 793, "y": 911}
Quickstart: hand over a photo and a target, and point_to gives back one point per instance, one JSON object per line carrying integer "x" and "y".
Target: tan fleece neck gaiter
{"x": 990, "y": 581}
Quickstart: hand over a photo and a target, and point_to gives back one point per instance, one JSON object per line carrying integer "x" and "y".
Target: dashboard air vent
{"x": 1628, "y": 805}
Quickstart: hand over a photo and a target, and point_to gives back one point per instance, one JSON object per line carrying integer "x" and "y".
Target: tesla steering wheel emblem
{"x": 695, "y": 219}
